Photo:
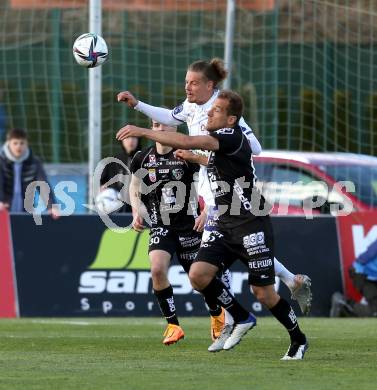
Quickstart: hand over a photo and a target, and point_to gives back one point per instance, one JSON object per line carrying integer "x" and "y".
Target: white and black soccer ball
{"x": 108, "y": 201}
{"x": 90, "y": 50}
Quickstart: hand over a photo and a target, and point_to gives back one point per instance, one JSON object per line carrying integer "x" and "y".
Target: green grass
{"x": 127, "y": 354}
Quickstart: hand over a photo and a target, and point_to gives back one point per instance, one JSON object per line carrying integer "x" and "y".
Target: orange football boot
{"x": 173, "y": 334}
{"x": 217, "y": 324}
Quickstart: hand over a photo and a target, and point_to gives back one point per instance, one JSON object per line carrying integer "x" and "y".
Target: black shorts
{"x": 251, "y": 242}
{"x": 184, "y": 243}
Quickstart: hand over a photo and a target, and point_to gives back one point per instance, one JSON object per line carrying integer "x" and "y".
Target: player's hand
{"x": 137, "y": 223}
{"x": 186, "y": 155}
{"x": 127, "y": 98}
{"x": 191, "y": 157}
{"x": 129, "y": 131}
{"x": 200, "y": 222}
{"x": 4, "y": 206}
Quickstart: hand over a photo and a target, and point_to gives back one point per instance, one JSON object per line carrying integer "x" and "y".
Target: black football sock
{"x": 165, "y": 300}
{"x": 214, "y": 308}
{"x": 213, "y": 304}
{"x": 284, "y": 313}
{"x": 217, "y": 292}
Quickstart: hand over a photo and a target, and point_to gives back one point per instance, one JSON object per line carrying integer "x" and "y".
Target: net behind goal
{"x": 306, "y": 69}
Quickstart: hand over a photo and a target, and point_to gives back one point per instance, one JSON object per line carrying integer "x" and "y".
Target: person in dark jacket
{"x": 363, "y": 274}
{"x": 129, "y": 148}
{"x": 19, "y": 168}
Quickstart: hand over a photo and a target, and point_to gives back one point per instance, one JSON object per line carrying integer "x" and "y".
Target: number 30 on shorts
{"x": 154, "y": 240}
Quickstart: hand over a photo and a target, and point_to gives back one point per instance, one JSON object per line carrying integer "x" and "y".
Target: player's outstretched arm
{"x": 255, "y": 145}
{"x": 158, "y": 114}
{"x": 175, "y": 140}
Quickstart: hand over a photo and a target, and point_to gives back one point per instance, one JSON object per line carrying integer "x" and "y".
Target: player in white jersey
{"x": 201, "y": 87}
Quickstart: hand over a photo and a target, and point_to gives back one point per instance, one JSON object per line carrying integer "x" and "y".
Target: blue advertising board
{"x": 75, "y": 266}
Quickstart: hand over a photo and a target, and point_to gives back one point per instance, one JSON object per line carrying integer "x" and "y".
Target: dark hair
{"x": 16, "y": 134}
{"x": 235, "y": 106}
{"x": 213, "y": 70}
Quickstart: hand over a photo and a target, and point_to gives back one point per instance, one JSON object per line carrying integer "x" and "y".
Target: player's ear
{"x": 232, "y": 120}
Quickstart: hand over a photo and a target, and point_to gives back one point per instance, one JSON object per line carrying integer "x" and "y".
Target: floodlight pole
{"x": 94, "y": 100}
{"x": 229, "y": 38}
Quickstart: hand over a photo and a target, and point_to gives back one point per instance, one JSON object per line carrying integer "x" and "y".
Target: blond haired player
{"x": 202, "y": 88}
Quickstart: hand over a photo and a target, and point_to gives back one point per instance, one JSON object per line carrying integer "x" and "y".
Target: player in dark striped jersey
{"x": 163, "y": 185}
{"x": 161, "y": 192}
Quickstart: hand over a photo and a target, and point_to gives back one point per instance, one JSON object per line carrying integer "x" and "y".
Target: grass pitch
{"x": 128, "y": 354}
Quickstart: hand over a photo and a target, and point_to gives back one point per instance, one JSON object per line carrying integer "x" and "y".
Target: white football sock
{"x": 284, "y": 274}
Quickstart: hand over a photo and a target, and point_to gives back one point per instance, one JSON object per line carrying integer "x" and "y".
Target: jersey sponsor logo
{"x": 159, "y": 231}
{"x": 253, "y": 239}
{"x": 227, "y": 131}
{"x": 174, "y": 162}
{"x": 152, "y": 175}
{"x": 188, "y": 256}
{"x": 239, "y": 191}
{"x": 151, "y": 165}
{"x": 214, "y": 234}
{"x": 211, "y": 237}
{"x": 178, "y": 109}
{"x": 178, "y": 173}
{"x": 256, "y": 264}
{"x": 188, "y": 242}
{"x": 152, "y": 159}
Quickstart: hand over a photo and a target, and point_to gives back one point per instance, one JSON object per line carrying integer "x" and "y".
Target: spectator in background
{"x": 129, "y": 148}
{"x": 363, "y": 273}
{"x": 19, "y": 168}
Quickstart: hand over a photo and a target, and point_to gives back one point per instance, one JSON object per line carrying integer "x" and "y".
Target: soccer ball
{"x": 90, "y": 50}
{"x": 108, "y": 201}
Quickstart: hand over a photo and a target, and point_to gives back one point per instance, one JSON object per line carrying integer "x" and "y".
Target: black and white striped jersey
{"x": 168, "y": 192}
{"x": 231, "y": 176}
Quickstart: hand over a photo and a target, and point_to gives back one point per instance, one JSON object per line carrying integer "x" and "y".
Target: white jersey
{"x": 196, "y": 117}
